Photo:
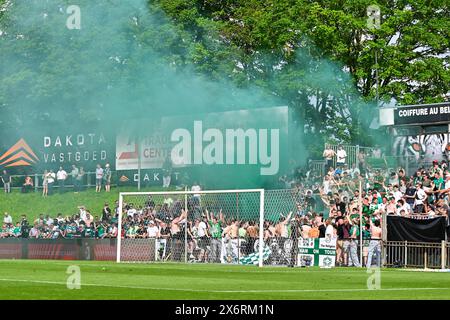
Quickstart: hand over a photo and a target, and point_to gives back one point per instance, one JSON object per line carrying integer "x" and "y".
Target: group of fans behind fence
{"x": 216, "y": 236}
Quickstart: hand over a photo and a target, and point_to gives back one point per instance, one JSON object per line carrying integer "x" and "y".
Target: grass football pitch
{"x": 44, "y": 279}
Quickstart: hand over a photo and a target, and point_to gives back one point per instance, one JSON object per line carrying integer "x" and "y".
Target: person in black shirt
{"x": 106, "y": 213}
{"x": 322, "y": 227}
{"x": 410, "y": 194}
{"x": 341, "y": 206}
{"x": 310, "y": 201}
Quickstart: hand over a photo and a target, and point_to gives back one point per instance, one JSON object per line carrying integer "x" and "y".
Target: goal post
{"x": 211, "y": 226}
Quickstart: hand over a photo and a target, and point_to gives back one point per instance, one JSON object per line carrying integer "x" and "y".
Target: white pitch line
{"x": 191, "y": 267}
{"x": 222, "y": 291}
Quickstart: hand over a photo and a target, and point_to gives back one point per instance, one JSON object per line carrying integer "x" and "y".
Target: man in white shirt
{"x": 329, "y": 231}
{"x": 7, "y": 219}
{"x": 50, "y": 181}
{"x": 168, "y": 201}
{"x": 341, "y": 156}
{"x": 49, "y": 220}
{"x": 61, "y": 176}
{"x": 203, "y": 239}
{"x": 196, "y": 196}
{"x": 152, "y": 230}
{"x": 82, "y": 212}
{"x": 420, "y": 198}
{"x": 403, "y": 206}
{"x": 398, "y": 195}
{"x": 131, "y": 212}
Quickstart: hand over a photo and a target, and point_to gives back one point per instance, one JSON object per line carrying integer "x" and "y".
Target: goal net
{"x": 224, "y": 226}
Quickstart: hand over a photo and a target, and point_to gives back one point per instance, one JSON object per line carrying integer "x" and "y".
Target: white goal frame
{"x": 186, "y": 193}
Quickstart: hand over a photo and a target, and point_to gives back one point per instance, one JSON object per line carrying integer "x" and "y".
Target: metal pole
{"x": 119, "y": 229}
{"x": 425, "y": 258}
{"x": 357, "y": 153}
{"x": 443, "y": 253}
{"x": 239, "y": 238}
{"x": 139, "y": 161}
{"x": 384, "y": 238}
{"x": 186, "y": 226}
{"x": 261, "y": 228}
{"x": 360, "y": 225}
{"x": 406, "y": 253}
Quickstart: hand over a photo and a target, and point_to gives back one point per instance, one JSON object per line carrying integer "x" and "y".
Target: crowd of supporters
{"x": 326, "y": 205}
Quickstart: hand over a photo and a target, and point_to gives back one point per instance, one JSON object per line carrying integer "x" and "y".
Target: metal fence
{"x": 404, "y": 254}
{"x": 318, "y": 166}
{"x": 87, "y": 181}
{"x": 352, "y": 153}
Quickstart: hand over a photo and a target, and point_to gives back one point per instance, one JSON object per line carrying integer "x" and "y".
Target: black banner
{"x": 433, "y": 113}
{"x": 418, "y": 230}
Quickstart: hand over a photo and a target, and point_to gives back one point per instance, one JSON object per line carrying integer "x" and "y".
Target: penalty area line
{"x": 221, "y": 291}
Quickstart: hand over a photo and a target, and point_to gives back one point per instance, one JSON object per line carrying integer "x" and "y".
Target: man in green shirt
{"x": 353, "y": 248}
{"x": 17, "y": 230}
{"x": 215, "y": 229}
{"x": 438, "y": 181}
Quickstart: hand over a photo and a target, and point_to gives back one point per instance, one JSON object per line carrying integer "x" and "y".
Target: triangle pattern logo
{"x": 19, "y": 154}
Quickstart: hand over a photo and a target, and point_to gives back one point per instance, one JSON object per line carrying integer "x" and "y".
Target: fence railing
{"x": 318, "y": 166}
{"x": 417, "y": 254}
{"x": 87, "y": 181}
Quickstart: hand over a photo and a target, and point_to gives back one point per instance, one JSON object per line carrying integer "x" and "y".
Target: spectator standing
{"x": 420, "y": 197}
{"x": 61, "y": 176}
{"x": 98, "y": 178}
{"x": 410, "y": 194}
{"x": 107, "y": 177}
{"x": 375, "y": 243}
{"x": 196, "y": 196}
{"x": 80, "y": 178}
{"x": 353, "y": 248}
{"x": 152, "y": 230}
{"x": 106, "y": 213}
{"x": 167, "y": 172}
{"x": 6, "y": 179}
{"x": 50, "y": 181}
{"x": 215, "y": 228}
{"x": 328, "y": 155}
{"x": 341, "y": 157}
{"x": 45, "y": 184}
{"x": 362, "y": 161}
{"x": 74, "y": 175}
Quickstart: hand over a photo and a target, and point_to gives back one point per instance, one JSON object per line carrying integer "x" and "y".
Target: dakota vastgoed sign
{"x": 433, "y": 113}
{"x": 49, "y": 151}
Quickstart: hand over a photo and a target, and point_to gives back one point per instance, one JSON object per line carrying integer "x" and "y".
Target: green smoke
{"x": 129, "y": 62}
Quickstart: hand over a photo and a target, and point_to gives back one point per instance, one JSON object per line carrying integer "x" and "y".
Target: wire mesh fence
{"x": 194, "y": 227}
{"x": 213, "y": 227}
